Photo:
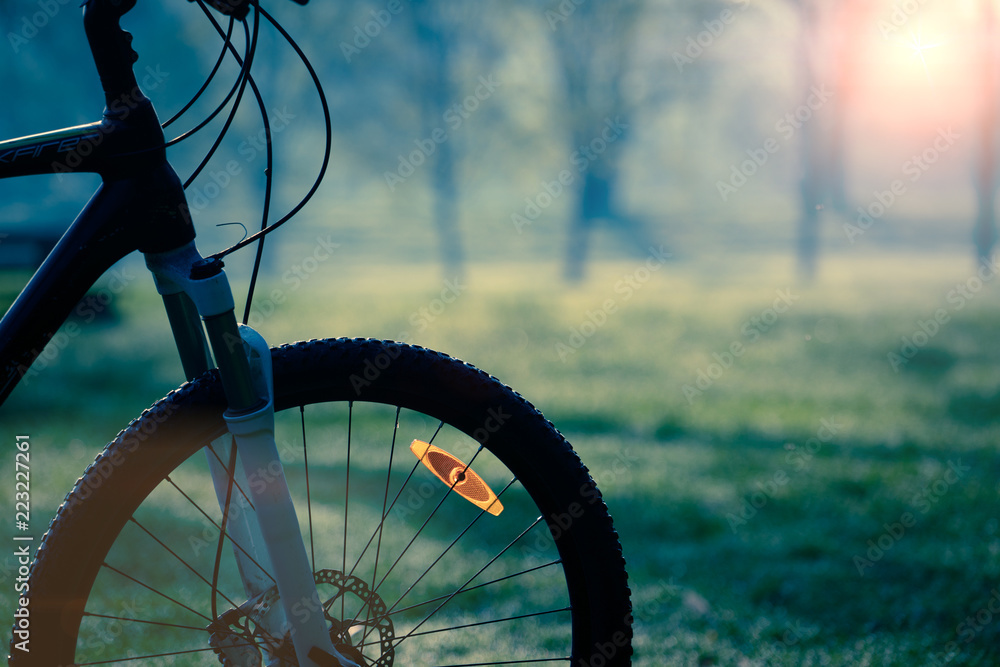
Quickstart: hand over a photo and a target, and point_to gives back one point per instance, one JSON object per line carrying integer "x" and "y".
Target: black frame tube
{"x": 146, "y": 213}
{"x": 139, "y": 206}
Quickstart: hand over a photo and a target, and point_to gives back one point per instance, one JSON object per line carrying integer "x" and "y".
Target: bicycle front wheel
{"x": 412, "y": 561}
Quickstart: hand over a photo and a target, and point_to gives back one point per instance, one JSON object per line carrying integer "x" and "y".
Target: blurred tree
{"x": 593, "y": 42}
{"x": 402, "y": 72}
{"x": 437, "y": 40}
{"x": 827, "y": 65}
{"x": 984, "y": 233}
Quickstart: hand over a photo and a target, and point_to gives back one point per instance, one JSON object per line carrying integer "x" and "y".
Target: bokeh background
{"x": 739, "y": 252}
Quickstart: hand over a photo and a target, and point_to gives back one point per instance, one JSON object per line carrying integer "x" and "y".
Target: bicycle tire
{"x": 327, "y": 377}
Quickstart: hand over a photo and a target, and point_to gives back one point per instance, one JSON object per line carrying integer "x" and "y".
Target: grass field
{"x": 800, "y": 475}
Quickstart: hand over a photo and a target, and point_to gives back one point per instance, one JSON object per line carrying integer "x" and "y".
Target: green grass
{"x": 742, "y": 509}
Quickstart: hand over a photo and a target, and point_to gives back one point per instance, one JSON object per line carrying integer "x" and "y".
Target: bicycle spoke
{"x": 492, "y": 621}
{"x": 236, "y": 484}
{"x": 218, "y": 527}
{"x": 157, "y": 592}
{"x": 305, "y": 464}
{"x": 182, "y": 561}
{"x": 145, "y": 657}
{"x": 470, "y": 580}
{"x": 448, "y": 548}
{"x": 193, "y": 570}
{"x": 385, "y": 500}
{"x": 473, "y": 588}
{"x": 398, "y": 558}
{"x": 381, "y": 571}
{"x": 347, "y": 498}
{"x": 393, "y": 610}
{"x": 432, "y": 577}
{"x": 375, "y": 532}
{"x": 428, "y": 520}
{"x": 392, "y": 505}
{"x": 144, "y": 621}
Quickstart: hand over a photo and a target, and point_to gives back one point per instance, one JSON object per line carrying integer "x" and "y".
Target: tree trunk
{"x": 438, "y": 93}
{"x": 984, "y": 234}
{"x": 594, "y": 203}
{"x": 446, "y": 212}
{"x": 810, "y": 141}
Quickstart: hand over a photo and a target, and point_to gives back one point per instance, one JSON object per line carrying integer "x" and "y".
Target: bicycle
{"x": 392, "y": 562}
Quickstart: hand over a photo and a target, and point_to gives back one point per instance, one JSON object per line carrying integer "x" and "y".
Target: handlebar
{"x": 130, "y": 135}
{"x": 112, "y": 46}
{"x": 126, "y": 107}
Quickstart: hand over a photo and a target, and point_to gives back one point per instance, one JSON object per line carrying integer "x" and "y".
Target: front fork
{"x": 191, "y": 287}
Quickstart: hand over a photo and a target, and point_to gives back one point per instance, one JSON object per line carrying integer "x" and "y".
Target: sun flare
{"x": 923, "y": 70}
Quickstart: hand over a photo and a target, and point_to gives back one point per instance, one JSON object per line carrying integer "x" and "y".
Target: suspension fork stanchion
{"x": 189, "y": 336}
{"x": 244, "y": 361}
{"x": 242, "y": 528}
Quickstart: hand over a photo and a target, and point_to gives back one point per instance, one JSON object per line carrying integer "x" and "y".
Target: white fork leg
{"x": 242, "y": 527}
{"x": 279, "y": 525}
{"x": 254, "y": 434}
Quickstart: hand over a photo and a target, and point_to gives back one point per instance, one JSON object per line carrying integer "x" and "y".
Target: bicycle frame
{"x": 104, "y": 232}
{"x": 141, "y": 206}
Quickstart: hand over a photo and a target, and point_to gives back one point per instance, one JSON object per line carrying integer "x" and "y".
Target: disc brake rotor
{"x": 354, "y": 614}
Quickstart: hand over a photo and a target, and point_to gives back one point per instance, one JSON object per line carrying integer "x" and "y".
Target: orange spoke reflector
{"x": 458, "y": 476}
